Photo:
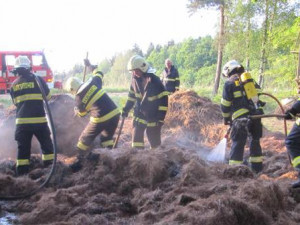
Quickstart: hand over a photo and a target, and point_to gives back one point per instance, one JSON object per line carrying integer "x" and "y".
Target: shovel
{"x": 218, "y": 153}
{"x": 119, "y": 133}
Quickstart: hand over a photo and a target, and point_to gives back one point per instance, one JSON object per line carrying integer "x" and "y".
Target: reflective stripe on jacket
{"x": 150, "y": 103}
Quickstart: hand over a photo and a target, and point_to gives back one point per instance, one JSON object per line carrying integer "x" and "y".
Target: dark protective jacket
{"x": 296, "y": 110}
{"x": 170, "y": 79}
{"x": 27, "y": 97}
{"x": 92, "y": 98}
{"x": 151, "y": 102}
{"x": 234, "y": 102}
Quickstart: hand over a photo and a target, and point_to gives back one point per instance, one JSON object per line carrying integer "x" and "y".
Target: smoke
{"x": 67, "y": 127}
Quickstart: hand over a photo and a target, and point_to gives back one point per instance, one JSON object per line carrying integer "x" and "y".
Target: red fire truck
{"x": 39, "y": 65}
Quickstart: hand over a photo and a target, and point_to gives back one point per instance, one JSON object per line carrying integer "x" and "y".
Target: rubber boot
{"x": 77, "y": 165}
{"x": 296, "y": 184}
{"x": 22, "y": 170}
{"x": 47, "y": 163}
{"x": 256, "y": 167}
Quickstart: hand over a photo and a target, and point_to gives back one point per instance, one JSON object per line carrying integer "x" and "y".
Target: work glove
{"x": 261, "y": 103}
{"x": 87, "y": 62}
{"x": 290, "y": 114}
{"x": 227, "y": 121}
{"x": 124, "y": 114}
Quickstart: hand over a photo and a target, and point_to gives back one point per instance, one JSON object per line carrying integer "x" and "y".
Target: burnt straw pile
{"x": 172, "y": 184}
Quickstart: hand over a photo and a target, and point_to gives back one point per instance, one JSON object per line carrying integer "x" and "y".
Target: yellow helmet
{"x": 72, "y": 85}
{"x": 138, "y": 62}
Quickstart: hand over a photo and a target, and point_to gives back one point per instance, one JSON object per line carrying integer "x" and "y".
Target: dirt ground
{"x": 173, "y": 184}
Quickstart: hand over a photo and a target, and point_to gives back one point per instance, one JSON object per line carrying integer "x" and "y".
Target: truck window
{"x": 10, "y": 60}
{"x": 37, "y": 60}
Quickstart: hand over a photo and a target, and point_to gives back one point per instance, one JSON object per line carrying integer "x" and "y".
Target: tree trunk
{"x": 263, "y": 45}
{"x": 248, "y": 40}
{"x": 220, "y": 52}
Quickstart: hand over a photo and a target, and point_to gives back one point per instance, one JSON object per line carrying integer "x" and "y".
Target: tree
{"x": 150, "y": 49}
{"x": 194, "y": 5}
{"x": 137, "y": 50}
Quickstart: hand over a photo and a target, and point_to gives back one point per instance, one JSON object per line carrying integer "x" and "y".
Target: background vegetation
{"x": 259, "y": 34}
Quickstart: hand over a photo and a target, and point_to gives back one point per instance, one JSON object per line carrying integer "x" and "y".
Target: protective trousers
{"x": 153, "y": 135}
{"x": 23, "y": 138}
{"x": 292, "y": 143}
{"x": 239, "y": 134}
{"x": 106, "y": 130}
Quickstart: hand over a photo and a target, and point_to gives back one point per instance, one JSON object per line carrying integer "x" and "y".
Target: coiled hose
{"x": 25, "y": 195}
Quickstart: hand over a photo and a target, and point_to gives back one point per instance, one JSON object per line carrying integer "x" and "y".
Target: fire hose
{"x": 274, "y": 115}
{"x": 30, "y": 193}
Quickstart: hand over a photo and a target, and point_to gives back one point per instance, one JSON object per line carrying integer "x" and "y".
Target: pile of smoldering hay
{"x": 168, "y": 185}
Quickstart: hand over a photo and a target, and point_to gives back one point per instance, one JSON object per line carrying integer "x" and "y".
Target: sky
{"x": 67, "y": 29}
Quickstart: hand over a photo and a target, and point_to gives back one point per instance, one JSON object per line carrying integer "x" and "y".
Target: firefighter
{"x": 104, "y": 114}
{"x": 30, "y": 115}
{"x": 239, "y": 100}
{"x": 170, "y": 77}
{"x": 150, "y": 101}
{"x": 292, "y": 141}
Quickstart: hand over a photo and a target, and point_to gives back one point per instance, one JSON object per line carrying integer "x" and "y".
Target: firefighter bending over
{"x": 30, "y": 117}
{"x": 150, "y": 99}
{"x": 292, "y": 141}
{"x": 104, "y": 114}
{"x": 170, "y": 77}
{"x": 239, "y": 100}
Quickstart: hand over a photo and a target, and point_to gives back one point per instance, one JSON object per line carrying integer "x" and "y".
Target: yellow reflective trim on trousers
{"x": 256, "y": 159}
{"x": 131, "y": 99}
{"x": 296, "y": 161}
{"x": 163, "y": 108}
{"x": 28, "y": 97}
{"x": 176, "y": 78}
{"x": 237, "y": 94}
{"x": 137, "y": 144}
{"x": 31, "y": 120}
{"x": 23, "y": 162}
{"x": 47, "y": 157}
{"x": 82, "y": 146}
{"x": 97, "y": 96}
{"x": 225, "y": 115}
{"x": 140, "y": 120}
{"x": 239, "y": 112}
{"x": 153, "y": 124}
{"x": 107, "y": 143}
{"x": 105, "y": 117}
{"x": 235, "y": 162}
{"x": 225, "y": 102}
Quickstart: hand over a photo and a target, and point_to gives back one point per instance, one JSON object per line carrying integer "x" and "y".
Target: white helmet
{"x": 138, "y": 62}
{"x": 22, "y": 62}
{"x": 72, "y": 85}
{"x": 229, "y": 67}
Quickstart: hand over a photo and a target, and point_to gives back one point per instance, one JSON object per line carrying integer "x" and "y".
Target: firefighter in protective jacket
{"x": 150, "y": 101}
{"x": 237, "y": 104}
{"x": 30, "y": 116}
{"x": 104, "y": 114}
{"x": 292, "y": 141}
{"x": 170, "y": 77}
